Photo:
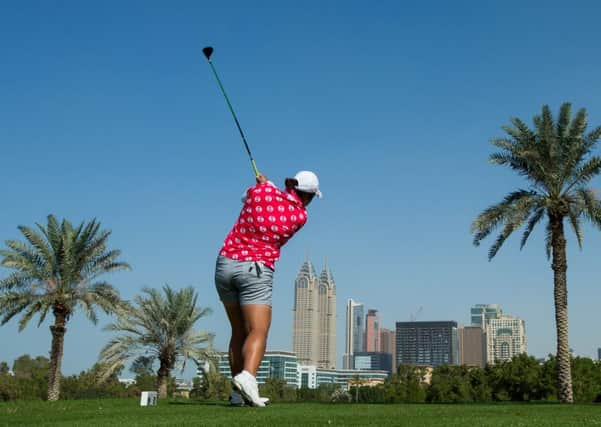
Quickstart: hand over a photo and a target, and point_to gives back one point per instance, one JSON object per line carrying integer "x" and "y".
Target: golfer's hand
{"x": 261, "y": 178}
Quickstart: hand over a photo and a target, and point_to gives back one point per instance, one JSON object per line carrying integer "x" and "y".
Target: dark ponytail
{"x": 290, "y": 183}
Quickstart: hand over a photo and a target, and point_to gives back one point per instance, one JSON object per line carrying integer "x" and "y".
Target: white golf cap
{"x": 308, "y": 182}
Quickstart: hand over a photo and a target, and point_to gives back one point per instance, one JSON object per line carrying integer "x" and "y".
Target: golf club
{"x": 208, "y": 51}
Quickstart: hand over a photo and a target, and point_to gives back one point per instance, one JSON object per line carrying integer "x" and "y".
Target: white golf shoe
{"x": 246, "y": 384}
{"x": 236, "y": 399}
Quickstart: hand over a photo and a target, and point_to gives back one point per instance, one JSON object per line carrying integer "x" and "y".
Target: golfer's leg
{"x": 234, "y": 314}
{"x": 257, "y": 318}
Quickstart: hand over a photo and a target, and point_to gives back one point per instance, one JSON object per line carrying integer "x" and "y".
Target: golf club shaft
{"x": 252, "y": 161}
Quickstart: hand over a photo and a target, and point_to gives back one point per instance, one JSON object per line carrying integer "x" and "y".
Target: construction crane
{"x": 414, "y": 316}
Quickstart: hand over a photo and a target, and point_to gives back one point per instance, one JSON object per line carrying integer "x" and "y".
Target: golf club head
{"x": 208, "y": 51}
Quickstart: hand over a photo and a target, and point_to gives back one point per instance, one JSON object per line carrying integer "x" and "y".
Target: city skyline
{"x": 308, "y": 275}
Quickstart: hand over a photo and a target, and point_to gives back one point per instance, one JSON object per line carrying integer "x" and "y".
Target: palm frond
{"x": 534, "y": 219}
{"x": 590, "y": 205}
{"x": 24, "y": 257}
{"x": 590, "y": 140}
{"x": 38, "y": 243}
{"x": 584, "y": 174}
{"x": 12, "y": 303}
{"x": 578, "y": 125}
{"x": 501, "y": 213}
{"x": 17, "y": 280}
{"x": 575, "y": 223}
{"x": 563, "y": 121}
{"x": 34, "y": 306}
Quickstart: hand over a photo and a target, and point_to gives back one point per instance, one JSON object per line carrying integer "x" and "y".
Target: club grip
{"x": 254, "y": 165}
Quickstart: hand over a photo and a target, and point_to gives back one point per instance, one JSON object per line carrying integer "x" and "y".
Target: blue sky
{"x": 109, "y": 110}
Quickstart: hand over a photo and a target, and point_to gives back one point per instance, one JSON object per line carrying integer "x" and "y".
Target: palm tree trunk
{"x": 162, "y": 379}
{"x": 560, "y": 292}
{"x": 56, "y": 354}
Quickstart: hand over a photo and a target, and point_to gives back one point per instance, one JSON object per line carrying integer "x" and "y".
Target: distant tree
{"x": 406, "y": 385}
{"x": 479, "y": 385}
{"x": 586, "y": 379}
{"x": 549, "y": 378}
{"x": 519, "y": 379}
{"x": 26, "y": 367}
{"x": 450, "y": 384}
{"x": 277, "y": 390}
{"x": 4, "y": 369}
{"x": 86, "y": 386}
{"x": 371, "y": 394}
{"x": 30, "y": 381}
{"x": 146, "y": 381}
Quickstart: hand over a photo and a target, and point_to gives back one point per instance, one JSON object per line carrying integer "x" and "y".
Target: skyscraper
{"x": 481, "y": 313}
{"x": 387, "y": 345}
{"x": 505, "y": 338}
{"x": 355, "y": 330}
{"x": 372, "y": 331}
{"x": 472, "y": 346}
{"x": 314, "y": 326}
{"x": 327, "y": 324}
{"x": 427, "y": 343}
{"x": 304, "y": 338}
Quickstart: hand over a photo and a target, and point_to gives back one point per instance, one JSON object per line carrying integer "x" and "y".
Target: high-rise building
{"x": 304, "y": 336}
{"x": 387, "y": 345}
{"x": 327, "y": 324}
{"x": 314, "y": 327}
{"x": 427, "y": 343}
{"x": 355, "y": 330}
{"x": 505, "y": 338}
{"x": 472, "y": 346}
{"x": 481, "y": 313}
{"x": 372, "y": 331}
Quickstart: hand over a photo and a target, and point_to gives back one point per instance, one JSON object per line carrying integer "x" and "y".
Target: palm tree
{"x": 57, "y": 269}
{"x": 555, "y": 158}
{"x": 158, "y": 326}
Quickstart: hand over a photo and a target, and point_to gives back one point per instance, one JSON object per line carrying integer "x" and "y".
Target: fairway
{"x": 190, "y": 413}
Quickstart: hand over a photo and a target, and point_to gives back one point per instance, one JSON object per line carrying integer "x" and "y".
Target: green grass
{"x": 190, "y": 413}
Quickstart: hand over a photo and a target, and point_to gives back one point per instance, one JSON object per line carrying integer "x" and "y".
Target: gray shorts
{"x": 243, "y": 282}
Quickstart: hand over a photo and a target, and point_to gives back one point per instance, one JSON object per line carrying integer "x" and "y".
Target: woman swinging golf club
{"x": 245, "y": 267}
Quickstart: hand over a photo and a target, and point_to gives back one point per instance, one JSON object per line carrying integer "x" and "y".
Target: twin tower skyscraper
{"x": 314, "y": 325}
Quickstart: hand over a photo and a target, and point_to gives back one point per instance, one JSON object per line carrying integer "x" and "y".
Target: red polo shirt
{"x": 269, "y": 218}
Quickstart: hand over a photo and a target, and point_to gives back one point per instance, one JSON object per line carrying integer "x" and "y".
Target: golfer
{"x": 245, "y": 267}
